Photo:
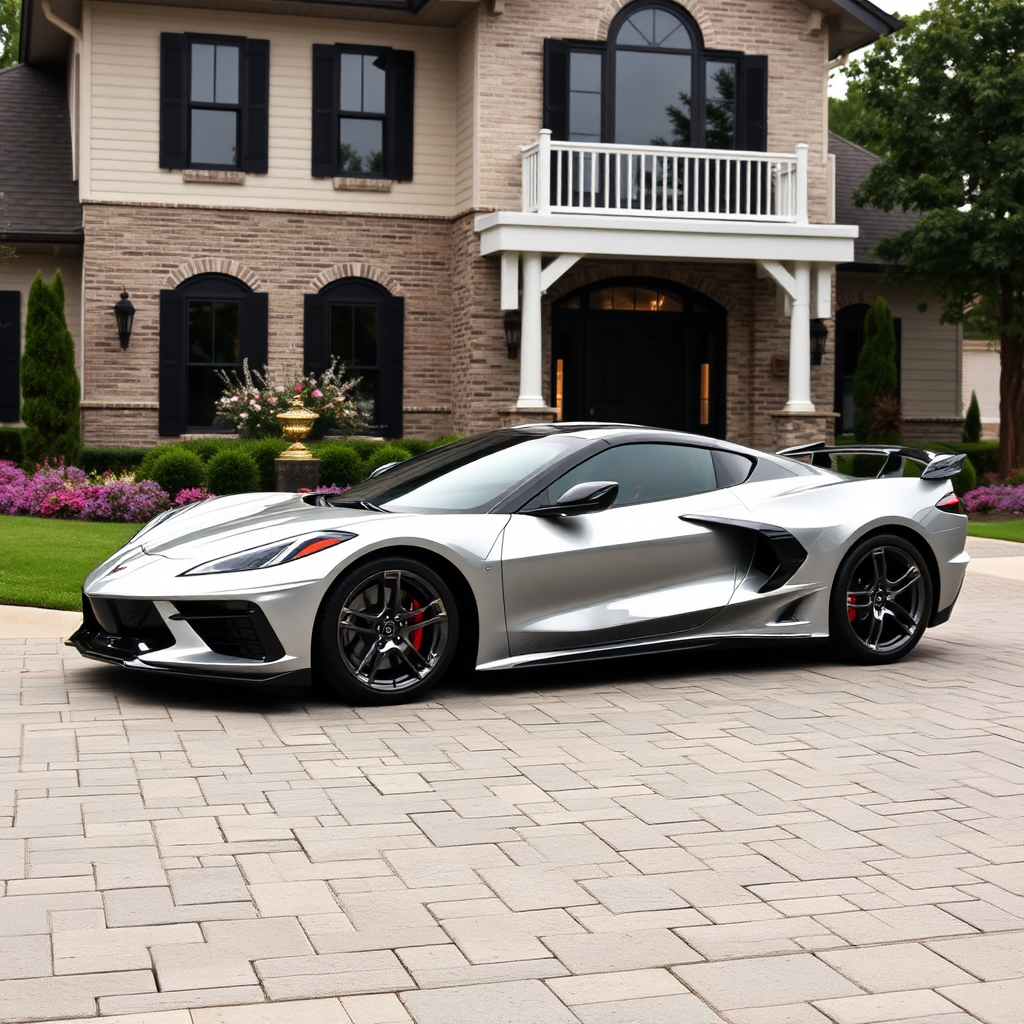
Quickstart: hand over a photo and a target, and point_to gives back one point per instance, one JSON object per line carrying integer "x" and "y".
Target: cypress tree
{"x": 972, "y": 421}
{"x": 49, "y": 382}
{"x": 875, "y": 376}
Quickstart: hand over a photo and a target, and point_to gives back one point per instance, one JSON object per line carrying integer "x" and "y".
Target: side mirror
{"x": 381, "y": 469}
{"x": 589, "y": 496}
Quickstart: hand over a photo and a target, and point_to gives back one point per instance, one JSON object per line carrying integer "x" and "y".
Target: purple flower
{"x": 1005, "y": 499}
{"x": 317, "y": 393}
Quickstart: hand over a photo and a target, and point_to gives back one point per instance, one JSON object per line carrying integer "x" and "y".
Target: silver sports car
{"x": 535, "y": 545}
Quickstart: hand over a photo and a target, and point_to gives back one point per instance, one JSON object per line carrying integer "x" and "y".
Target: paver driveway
{"x": 756, "y": 838}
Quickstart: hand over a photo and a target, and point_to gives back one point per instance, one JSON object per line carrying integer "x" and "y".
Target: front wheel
{"x": 881, "y": 600}
{"x": 387, "y": 632}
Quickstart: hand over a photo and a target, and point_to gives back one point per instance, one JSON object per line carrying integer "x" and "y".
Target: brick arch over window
{"x": 368, "y": 271}
{"x": 697, "y": 9}
{"x": 213, "y": 265}
{"x": 858, "y": 298}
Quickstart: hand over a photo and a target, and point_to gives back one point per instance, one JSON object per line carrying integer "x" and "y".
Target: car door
{"x": 634, "y": 571}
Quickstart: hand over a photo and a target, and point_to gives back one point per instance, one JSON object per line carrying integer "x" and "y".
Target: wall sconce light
{"x": 513, "y": 331}
{"x": 819, "y": 335}
{"x": 124, "y": 313}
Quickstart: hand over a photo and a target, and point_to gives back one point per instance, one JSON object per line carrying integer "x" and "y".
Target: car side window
{"x": 644, "y": 472}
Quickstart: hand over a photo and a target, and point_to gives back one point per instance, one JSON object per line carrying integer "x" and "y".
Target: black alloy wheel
{"x": 387, "y": 632}
{"x": 881, "y": 600}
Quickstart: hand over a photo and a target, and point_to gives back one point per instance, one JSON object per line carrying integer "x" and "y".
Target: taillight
{"x": 950, "y": 503}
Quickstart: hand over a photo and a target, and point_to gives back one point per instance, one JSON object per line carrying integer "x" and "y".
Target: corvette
{"x": 536, "y": 545}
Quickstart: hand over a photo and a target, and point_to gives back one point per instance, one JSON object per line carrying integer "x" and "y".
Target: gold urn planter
{"x": 296, "y": 424}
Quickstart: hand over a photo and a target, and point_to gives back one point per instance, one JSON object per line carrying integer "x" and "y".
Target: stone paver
{"x": 726, "y": 838}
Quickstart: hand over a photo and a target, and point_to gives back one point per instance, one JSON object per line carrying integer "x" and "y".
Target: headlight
{"x": 271, "y": 554}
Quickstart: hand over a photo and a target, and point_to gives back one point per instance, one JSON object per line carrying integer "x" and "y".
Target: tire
{"x": 881, "y": 600}
{"x": 386, "y": 633}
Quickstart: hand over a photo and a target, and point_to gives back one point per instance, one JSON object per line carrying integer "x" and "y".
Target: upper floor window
{"x": 214, "y": 102}
{"x": 653, "y": 84}
{"x": 362, "y": 112}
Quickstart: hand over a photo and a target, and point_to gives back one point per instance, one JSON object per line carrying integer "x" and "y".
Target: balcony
{"x": 665, "y": 182}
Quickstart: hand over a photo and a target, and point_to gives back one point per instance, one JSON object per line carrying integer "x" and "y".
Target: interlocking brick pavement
{"x": 748, "y": 838}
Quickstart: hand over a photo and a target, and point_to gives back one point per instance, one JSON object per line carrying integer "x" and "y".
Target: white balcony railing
{"x": 663, "y": 181}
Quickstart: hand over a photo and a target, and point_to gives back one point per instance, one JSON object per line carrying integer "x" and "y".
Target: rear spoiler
{"x": 936, "y": 467}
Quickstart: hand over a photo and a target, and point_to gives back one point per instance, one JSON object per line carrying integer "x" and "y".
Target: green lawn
{"x": 43, "y": 562}
{"x": 1011, "y": 529}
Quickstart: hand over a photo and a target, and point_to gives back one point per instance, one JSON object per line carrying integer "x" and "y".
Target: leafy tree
{"x": 49, "y": 382}
{"x": 850, "y": 118}
{"x": 875, "y": 379}
{"x": 10, "y": 32}
{"x": 949, "y": 93}
{"x": 971, "y": 431}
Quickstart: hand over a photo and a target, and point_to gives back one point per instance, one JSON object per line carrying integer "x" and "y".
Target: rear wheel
{"x": 881, "y": 600}
{"x": 387, "y": 632}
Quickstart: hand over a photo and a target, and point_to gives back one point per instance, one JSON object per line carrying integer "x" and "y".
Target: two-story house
{"x": 491, "y": 210}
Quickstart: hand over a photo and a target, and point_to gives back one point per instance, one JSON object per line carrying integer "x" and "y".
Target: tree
{"x": 10, "y": 32}
{"x": 972, "y": 421}
{"x": 951, "y": 89}
{"x": 875, "y": 379}
{"x": 49, "y": 382}
{"x": 849, "y": 117}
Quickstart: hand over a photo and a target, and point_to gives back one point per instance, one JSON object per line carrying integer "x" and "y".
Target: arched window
{"x": 359, "y": 323}
{"x": 208, "y": 323}
{"x": 653, "y": 83}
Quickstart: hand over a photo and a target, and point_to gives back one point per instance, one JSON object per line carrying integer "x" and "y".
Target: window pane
{"x": 214, "y": 137}
{"x": 652, "y": 98}
{"x": 365, "y": 396}
{"x": 341, "y": 334}
{"x": 638, "y": 30}
{"x": 200, "y": 331}
{"x": 352, "y": 82}
{"x": 226, "y": 345}
{"x": 366, "y": 336}
{"x": 227, "y": 74}
{"x": 669, "y": 303}
{"x": 362, "y": 146}
{"x": 584, "y": 117}
{"x": 373, "y": 84}
{"x": 670, "y": 31}
{"x": 202, "y": 72}
{"x": 204, "y": 388}
{"x": 647, "y": 300}
{"x": 585, "y": 72}
{"x": 720, "y": 84}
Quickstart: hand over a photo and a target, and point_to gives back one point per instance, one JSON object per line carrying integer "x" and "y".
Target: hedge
{"x": 11, "y": 447}
{"x": 100, "y": 458}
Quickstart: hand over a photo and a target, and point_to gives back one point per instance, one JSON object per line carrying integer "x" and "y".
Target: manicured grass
{"x": 1010, "y": 529}
{"x": 43, "y": 562}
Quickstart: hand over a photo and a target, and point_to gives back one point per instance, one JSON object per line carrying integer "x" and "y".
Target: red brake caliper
{"x": 416, "y": 636}
{"x": 851, "y": 606}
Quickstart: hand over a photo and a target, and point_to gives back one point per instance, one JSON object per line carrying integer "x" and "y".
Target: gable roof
{"x": 853, "y": 165}
{"x": 35, "y": 157}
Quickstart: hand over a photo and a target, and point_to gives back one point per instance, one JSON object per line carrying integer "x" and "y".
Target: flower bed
{"x": 997, "y": 499}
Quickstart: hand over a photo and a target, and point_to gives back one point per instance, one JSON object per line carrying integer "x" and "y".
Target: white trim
{"x": 510, "y": 280}
{"x": 556, "y": 268}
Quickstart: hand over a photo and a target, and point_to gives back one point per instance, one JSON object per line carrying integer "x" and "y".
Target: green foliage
{"x": 1016, "y": 479}
{"x": 100, "y": 458}
{"x": 447, "y": 439}
{"x": 364, "y": 447}
{"x": 11, "y": 447}
{"x": 972, "y": 421}
{"x": 49, "y": 382}
{"x": 207, "y": 447}
{"x": 981, "y": 320}
{"x": 145, "y": 469}
{"x": 384, "y": 454}
{"x": 10, "y": 32}
{"x": 875, "y": 377}
{"x": 413, "y": 445}
{"x": 966, "y": 480}
{"x": 264, "y": 452}
{"x": 178, "y": 468}
{"x": 340, "y": 465}
{"x": 851, "y": 118}
{"x": 983, "y": 454}
{"x": 232, "y": 472}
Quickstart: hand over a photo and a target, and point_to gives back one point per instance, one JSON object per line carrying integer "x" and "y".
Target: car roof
{"x": 622, "y": 432}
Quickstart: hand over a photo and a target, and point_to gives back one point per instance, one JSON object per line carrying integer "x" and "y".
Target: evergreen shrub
{"x": 414, "y": 445}
{"x": 232, "y": 472}
{"x": 100, "y": 458}
{"x": 384, "y": 454}
{"x": 207, "y": 447}
{"x": 966, "y": 480}
{"x": 11, "y": 447}
{"x": 875, "y": 377}
{"x": 178, "y": 469}
{"x": 971, "y": 431}
{"x": 364, "y": 447}
{"x": 264, "y": 452}
{"x": 340, "y": 465}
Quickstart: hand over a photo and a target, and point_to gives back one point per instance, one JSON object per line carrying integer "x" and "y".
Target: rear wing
{"x": 936, "y": 467}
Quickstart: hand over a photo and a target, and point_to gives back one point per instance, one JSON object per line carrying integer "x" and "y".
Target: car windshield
{"x": 471, "y": 475}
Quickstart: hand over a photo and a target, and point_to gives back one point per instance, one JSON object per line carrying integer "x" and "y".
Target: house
{"x": 929, "y": 353}
{"x": 493, "y": 211}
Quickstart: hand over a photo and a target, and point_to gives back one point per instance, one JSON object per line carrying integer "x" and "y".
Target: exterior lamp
{"x": 124, "y": 313}
{"x": 513, "y": 331}
{"x": 819, "y": 334}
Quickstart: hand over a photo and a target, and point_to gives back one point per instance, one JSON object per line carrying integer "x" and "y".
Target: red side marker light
{"x": 316, "y": 545}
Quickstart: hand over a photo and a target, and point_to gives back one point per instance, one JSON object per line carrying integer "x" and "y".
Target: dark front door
{"x": 640, "y": 352}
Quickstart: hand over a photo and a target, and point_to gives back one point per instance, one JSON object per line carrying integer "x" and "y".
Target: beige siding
{"x": 466, "y": 110}
{"x": 123, "y": 125}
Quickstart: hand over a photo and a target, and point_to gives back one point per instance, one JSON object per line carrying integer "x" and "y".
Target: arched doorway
{"x": 640, "y": 350}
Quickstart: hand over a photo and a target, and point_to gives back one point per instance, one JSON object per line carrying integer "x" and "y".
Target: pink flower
{"x": 298, "y": 388}
{"x": 317, "y": 393}
{"x": 272, "y": 400}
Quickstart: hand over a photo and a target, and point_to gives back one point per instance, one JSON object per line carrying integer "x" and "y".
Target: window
{"x": 209, "y": 323}
{"x": 359, "y": 323}
{"x": 362, "y": 112}
{"x": 653, "y": 83}
{"x": 214, "y": 102}
{"x": 10, "y": 356}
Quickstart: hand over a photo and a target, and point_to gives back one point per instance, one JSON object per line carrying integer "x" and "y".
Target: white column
{"x": 530, "y": 348}
{"x": 799, "y": 342}
{"x": 801, "y": 183}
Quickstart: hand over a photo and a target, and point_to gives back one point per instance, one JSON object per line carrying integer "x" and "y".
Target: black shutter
{"x": 316, "y": 354}
{"x": 173, "y": 368}
{"x": 556, "y": 88}
{"x": 173, "y": 100}
{"x": 754, "y": 116}
{"x": 255, "y": 106}
{"x": 398, "y": 144}
{"x": 254, "y": 330}
{"x": 10, "y": 357}
{"x": 326, "y": 87}
{"x": 390, "y": 347}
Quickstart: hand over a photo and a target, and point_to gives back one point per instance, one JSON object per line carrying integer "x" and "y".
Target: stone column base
{"x": 515, "y": 417}
{"x": 793, "y": 428}
{"x": 296, "y": 474}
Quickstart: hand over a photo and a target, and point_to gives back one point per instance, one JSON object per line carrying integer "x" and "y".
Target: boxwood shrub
{"x": 232, "y": 471}
{"x": 340, "y": 465}
{"x": 100, "y": 458}
{"x": 178, "y": 469}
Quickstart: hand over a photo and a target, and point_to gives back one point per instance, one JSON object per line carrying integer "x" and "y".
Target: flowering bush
{"x": 252, "y": 402}
{"x": 187, "y": 495}
{"x": 996, "y": 499}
